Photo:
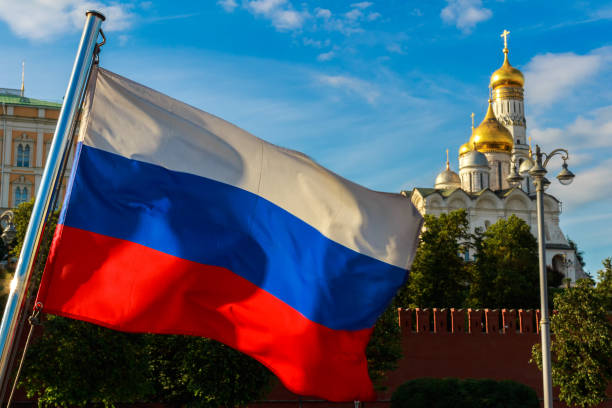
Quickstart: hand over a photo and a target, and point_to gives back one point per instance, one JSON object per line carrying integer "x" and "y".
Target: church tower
{"x": 482, "y": 188}
{"x": 508, "y": 104}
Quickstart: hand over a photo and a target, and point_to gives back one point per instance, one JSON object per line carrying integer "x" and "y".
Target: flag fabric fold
{"x": 176, "y": 221}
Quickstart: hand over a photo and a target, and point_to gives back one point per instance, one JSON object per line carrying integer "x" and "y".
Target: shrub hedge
{"x": 470, "y": 393}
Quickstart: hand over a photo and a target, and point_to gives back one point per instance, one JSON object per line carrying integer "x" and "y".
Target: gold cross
{"x": 472, "y": 115}
{"x": 505, "y": 35}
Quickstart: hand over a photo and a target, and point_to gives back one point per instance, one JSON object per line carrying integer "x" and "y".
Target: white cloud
{"x": 362, "y": 5}
{"x": 592, "y": 130}
{"x": 279, "y": 12}
{"x": 589, "y": 185}
{"x": 552, "y": 76}
{"x": 312, "y": 42}
{"x": 352, "y": 86}
{"x": 326, "y": 56}
{"x": 285, "y": 17}
{"x": 354, "y": 14}
{"x": 589, "y": 140}
{"x": 465, "y": 14}
{"x": 228, "y": 5}
{"x": 288, "y": 20}
{"x": 43, "y": 19}
{"x": 323, "y": 13}
{"x": 265, "y": 6}
{"x": 395, "y": 48}
{"x": 604, "y": 13}
{"x": 373, "y": 16}
{"x": 416, "y": 12}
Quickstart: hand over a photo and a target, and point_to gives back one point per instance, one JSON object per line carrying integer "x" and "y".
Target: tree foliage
{"x": 604, "y": 284}
{"x": 22, "y": 218}
{"x": 470, "y": 393}
{"x": 581, "y": 345}
{"x": 385, "y": 348}
{"x": 200, "y": 372}
{"x": 579, "y": 253}
{"x": 77, "y": 363}
{"x": 505, "y": 273}
{"x": 438, "y": 277}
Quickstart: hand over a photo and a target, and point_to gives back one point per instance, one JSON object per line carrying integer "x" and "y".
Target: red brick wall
{"x": 453, "y": 343}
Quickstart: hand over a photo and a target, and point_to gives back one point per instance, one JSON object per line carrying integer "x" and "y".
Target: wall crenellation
{"x": 469, "y": 321}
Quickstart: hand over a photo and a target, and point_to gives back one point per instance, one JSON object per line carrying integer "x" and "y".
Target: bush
{"x": 455, "y": 393}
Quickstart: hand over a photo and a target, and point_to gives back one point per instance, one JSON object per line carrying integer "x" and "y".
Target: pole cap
{"x": 96, "y": 13}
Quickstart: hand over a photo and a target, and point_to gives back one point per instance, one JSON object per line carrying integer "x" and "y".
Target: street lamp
{"x": 565, "y": 177}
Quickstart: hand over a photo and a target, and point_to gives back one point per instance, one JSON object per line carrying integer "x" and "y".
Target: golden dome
{"x": 507, "y": 75}
{"x": 491, "y": 136}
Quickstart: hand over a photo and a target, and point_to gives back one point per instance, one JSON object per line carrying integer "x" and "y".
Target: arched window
{"x": 21, "y": 195}
{"x": 26, "y": 156}
{"x": 23, "y": 155}
{"x": 18, "y": 196}
{"x": 20, "y": 155}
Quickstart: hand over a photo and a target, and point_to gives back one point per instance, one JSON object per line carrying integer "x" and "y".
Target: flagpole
{"x": 49, "y": 182}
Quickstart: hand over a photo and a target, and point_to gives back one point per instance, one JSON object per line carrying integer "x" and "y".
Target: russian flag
{"x": 179, "y": 222}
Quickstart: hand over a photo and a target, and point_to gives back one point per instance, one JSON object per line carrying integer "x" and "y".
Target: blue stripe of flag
{"x": 214, "y": 223}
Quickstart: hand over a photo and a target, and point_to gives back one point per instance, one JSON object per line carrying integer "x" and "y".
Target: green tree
{"x": 505, "y": 273}
{"x": 579, "y": 253}
{"x": 199, "y": 372}
{"x": 385, "y": 348}
{"x": 77, "y": 363}
{"x": 456, "y": 393}
{"x": 21, "y": 220}
{"x": 581, "y": 345}
{"x": 604, "y": 284}
{"x": 438, "y": 277}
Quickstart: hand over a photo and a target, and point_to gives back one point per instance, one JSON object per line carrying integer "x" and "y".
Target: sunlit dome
{"x": 447, "y": 179}
{"x": 474, "y": 158}
{"x": 507, "y": 75}
{"x": 491, "y": 136}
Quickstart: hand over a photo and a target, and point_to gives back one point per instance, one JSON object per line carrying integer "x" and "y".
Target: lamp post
{"x": 565, "y": 177}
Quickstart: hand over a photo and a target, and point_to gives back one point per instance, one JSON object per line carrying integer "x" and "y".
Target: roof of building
{"x": 447, "y": 177}
{"x": 490, "y": 135}
{"x": 426, "y": 191}
{"x": 11, "y": 99}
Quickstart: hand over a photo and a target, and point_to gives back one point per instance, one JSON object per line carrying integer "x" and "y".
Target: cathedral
{"x": 496, "y": 145}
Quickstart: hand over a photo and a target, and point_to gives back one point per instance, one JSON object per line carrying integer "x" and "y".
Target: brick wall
{"x": 462, "y": 343}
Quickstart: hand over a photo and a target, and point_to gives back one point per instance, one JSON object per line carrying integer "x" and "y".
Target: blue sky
{"x": 374, "y": 90}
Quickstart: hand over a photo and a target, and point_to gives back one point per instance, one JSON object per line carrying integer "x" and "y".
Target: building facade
{"x": 495, "y": 146}
{"x": 26, "y": 130}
